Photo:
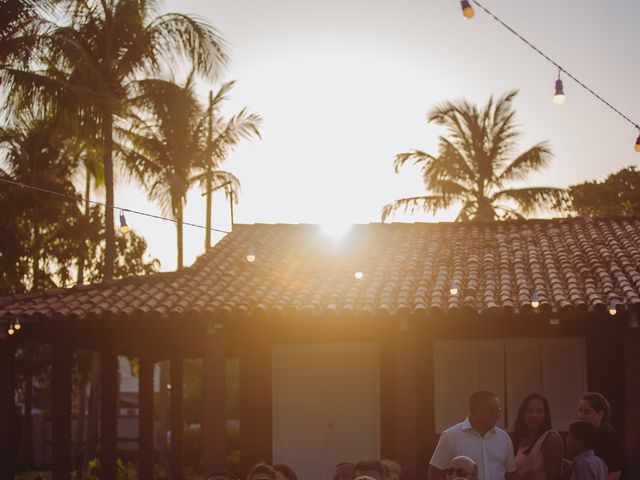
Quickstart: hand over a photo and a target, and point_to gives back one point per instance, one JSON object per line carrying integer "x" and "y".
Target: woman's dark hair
{"x": 286, "y": 470}
{"x": 520, "y": 428}
{"x": 600, "y": 404}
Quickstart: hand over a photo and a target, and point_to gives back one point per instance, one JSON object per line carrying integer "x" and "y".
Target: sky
{"x": 344, "y": 85}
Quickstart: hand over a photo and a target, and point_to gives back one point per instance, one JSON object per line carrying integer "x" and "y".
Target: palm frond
{"x": 429, "y": 203}
{"x": 533, "y": 199}
{"x": 537, "y": 157}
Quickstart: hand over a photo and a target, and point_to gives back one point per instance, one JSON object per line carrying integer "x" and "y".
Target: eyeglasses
{"x": 497, "y": 410}
{"x": 459, "y": 472}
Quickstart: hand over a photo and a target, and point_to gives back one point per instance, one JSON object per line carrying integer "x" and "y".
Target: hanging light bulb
{"x": 358, "y": 275}
{"x": 637, "y": 147}
{"x": 17, "y": 325}
{"x": 467, "y": 9}
{"x": 613, "y": 308}
{"x": 535, "y": 301}
{"x": 124, "y": 228}
{"x": 11, "y": 330}
{"x": 251, "y": 254}
{"x": 454, "y": 288}
{"x": 559, "y": 97}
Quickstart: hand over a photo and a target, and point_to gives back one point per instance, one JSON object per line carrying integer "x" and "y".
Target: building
{"x": 362, "y": 346}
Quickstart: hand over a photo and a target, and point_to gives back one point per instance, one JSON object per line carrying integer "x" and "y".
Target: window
{"x": 512, "y": 368}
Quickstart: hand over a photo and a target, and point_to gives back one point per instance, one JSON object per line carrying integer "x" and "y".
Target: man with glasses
{"x": 479, "y": 439}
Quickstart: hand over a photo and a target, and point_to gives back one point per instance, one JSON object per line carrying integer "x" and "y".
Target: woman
{"x": 594, "y": 408}
{"x": 538, "y": 449}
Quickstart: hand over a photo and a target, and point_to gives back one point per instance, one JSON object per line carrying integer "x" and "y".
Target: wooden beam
{"x": 109, "y": 412}
{"x": 145, "y": 417}
{"x": 7, "y": 392}
{"x": 61, "y": 412}
{"x": 213, "y": 403}
{"x": 256, "y": 430}
{"x": 177, "y": 422}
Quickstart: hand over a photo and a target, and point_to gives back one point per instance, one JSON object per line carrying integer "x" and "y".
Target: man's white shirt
{"x": 493, "y": 453}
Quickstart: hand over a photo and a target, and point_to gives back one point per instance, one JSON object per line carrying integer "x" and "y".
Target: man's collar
{"x": 466, "y": 425}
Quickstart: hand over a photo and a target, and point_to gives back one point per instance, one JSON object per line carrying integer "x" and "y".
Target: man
{"x": 343, "y": 471}
{"x": 262, "y": 471}
{"x": 392, "y": 468}
{"x": 221, "y": 475}
{"x": 479, "y": 439}
{"x": 461, "y": 468}
{"x": 580, "y": 442}
{"x": 370, "y": 468}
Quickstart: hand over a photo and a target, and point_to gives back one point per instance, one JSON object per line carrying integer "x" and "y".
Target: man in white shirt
{"x": 479, "y": 439}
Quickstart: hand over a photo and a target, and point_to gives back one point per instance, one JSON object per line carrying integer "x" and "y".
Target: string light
{"x": 535, "y": 301}
{"x": 11, "y": 330}
{"x": 358, "y": 275}
{"x": 613, "y": 308}
{"x": 17, "y": 325}
{"x": 454, "y": 288}
{"x": 467, "y": 9}
{"x": 559, "y": 97}
{"x": 251, "y": 254}
{"x": 546, "y": 57}
{"x": 124, "y": 228}
{"x": 79, "y": 198}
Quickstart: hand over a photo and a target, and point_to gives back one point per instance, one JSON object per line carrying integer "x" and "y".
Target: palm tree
{"x": 222, "y": 136}
{"x": 98, "y": 56}
{"x": 475, "y": 163}
{"x": 163, "y": 143}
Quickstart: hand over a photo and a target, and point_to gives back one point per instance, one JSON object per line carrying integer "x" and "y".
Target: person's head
{"x": 392, "y": 468}
{"x": 343, "y": 471}
{"x": 262, "y": 471}
{"x": 533, "y": 416}
{"x": 220, "y": 475}
{"x": 370, "y": 468}
{"x": 484, "y": 409}
{"x": 284, "y": 472}
{"x": 582, "y": 437}
{"x": 594, "y": 408}
{"x": 461, "y": 468}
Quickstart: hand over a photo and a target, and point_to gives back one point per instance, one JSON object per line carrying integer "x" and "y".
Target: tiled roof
{"x": 567, "y": 264}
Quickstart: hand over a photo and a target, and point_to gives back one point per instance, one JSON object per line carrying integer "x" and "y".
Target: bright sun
{"x": 336, "y": 229}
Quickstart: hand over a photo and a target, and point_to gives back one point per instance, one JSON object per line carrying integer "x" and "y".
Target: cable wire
{"x": 79, "y": 198}
{"x": 560, "y": 67}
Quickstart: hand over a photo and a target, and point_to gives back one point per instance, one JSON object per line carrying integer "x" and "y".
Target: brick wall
{"x": 632, "y": 401}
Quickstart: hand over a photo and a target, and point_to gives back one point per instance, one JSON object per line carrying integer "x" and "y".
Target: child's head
{"x": 582, "y": 437}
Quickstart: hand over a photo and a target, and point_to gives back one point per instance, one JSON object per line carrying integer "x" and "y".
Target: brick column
{"x": 109, "y": 413}
{"x": 406, "y": 405}
{"x": 632, "y": 401}
{"x": 61, "y": 412}
{"x": 213, "y": 403}
{"x": 7, "y": 361}
{"x": 176, "y": 422}
{"x": 145, "y": 418}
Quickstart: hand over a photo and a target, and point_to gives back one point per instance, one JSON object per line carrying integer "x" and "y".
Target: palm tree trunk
{"x": 207, "y": 234}
{"x": 37, "y": 272}
{"x": 179, "y": 231}
{"x": 110, "y": 236}
{"x": 83, "y": 252}
{"x": 25, "y": 451}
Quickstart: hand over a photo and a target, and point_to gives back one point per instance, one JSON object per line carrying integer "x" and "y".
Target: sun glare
{"x": 335, "y": 229}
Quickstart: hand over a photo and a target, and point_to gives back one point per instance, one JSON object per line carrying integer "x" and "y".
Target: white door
{"x": 325, "y": 406}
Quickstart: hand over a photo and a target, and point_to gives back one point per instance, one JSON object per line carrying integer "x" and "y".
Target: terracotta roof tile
{"x": 568, "y": 263}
